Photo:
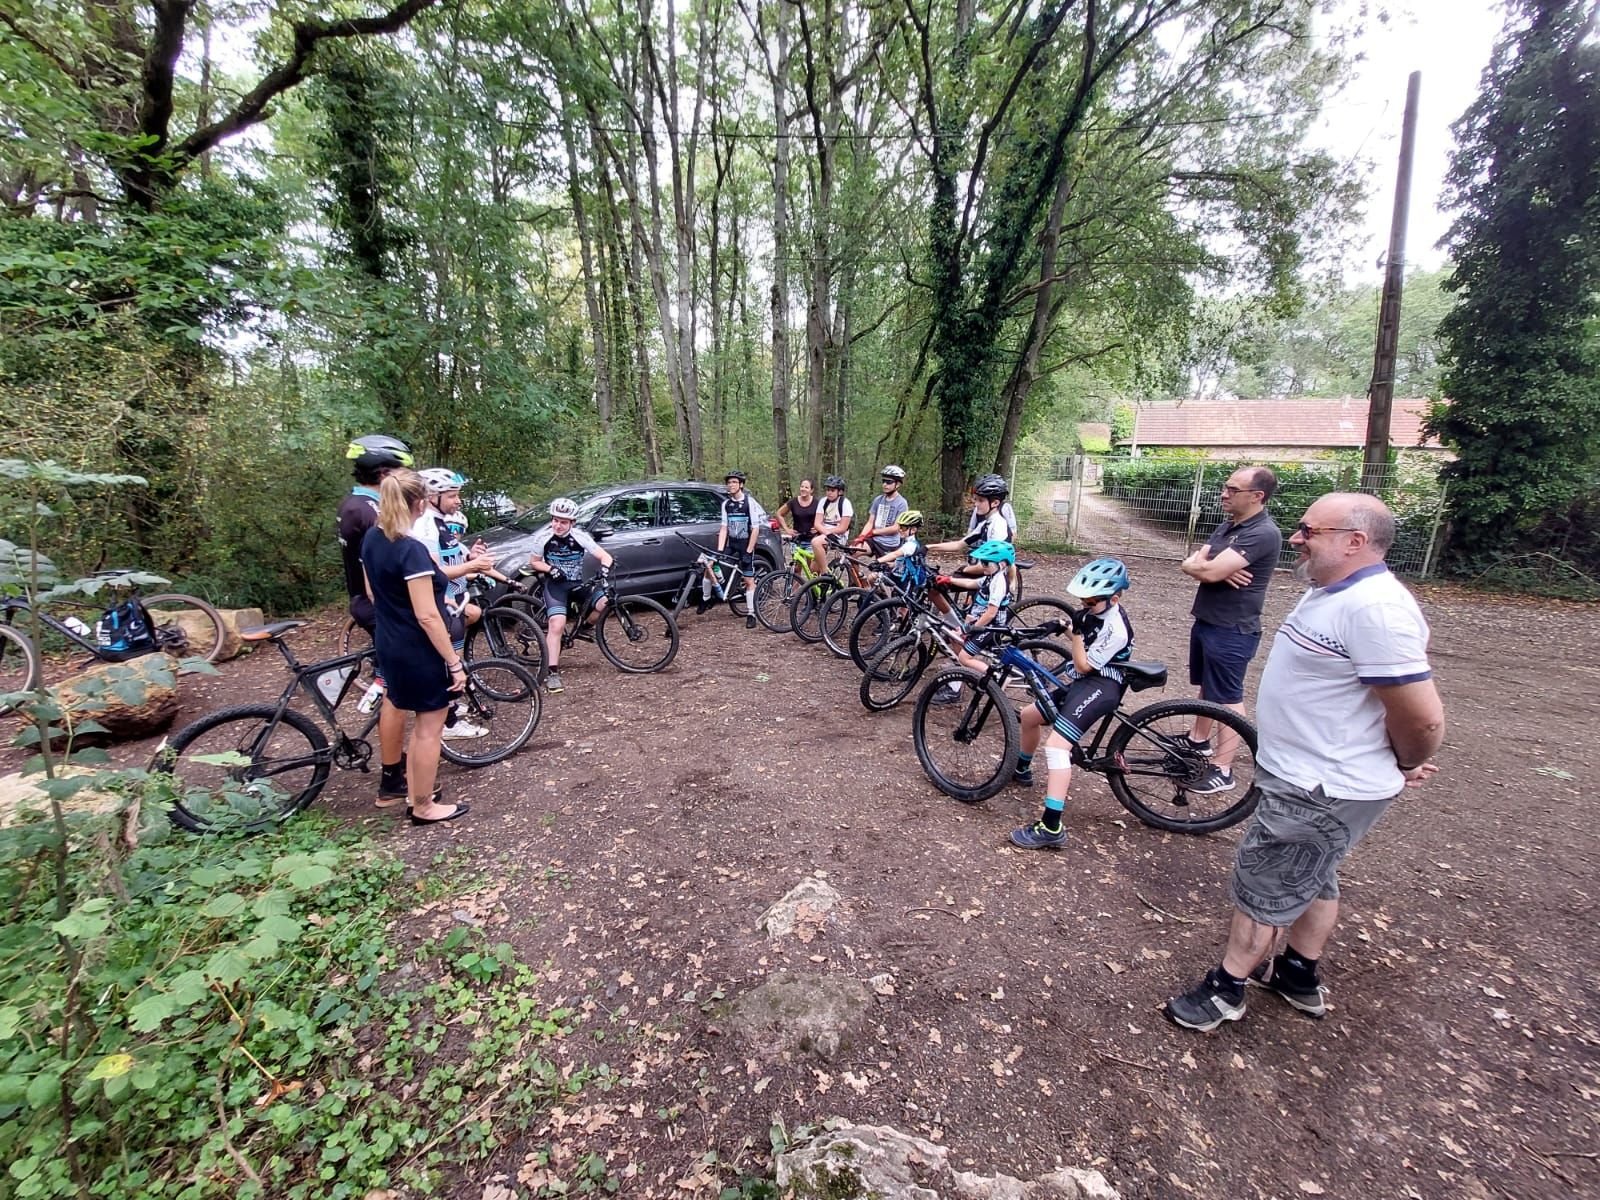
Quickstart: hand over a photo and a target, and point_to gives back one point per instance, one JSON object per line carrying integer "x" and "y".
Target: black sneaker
{"x": 1022, "y": 778}
{"x": 1212, "y": 781}
{"x": 1185, "y": 742}
{"x": 946, "y": 695}
{"x": 750, "y": 621}
{"x": 1310, "y": 997}
{"x": 703, "y": 606}
{"x": 1208, "y": 1004}
{"x": 392, "y": 784}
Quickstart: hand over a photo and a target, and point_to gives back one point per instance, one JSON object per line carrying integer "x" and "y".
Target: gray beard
{"x": 1302, "y": 572}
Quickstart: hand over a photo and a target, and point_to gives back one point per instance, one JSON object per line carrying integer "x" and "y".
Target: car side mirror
{"x": 600, "y": 530}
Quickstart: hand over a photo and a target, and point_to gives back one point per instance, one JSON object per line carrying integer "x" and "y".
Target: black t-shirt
{"x": 358, "y": 512}
{"x": 803, "y": 517}
{"x": 1224, "y": 605}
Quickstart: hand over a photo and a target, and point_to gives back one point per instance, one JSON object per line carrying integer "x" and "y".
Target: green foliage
{"x": 1522, "y": 362}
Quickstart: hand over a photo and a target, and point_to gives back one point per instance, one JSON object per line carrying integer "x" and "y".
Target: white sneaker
{"x": 464, "y": 728}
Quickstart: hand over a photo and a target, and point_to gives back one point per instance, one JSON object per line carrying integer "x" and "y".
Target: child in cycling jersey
{"x": 1101, "y": 640}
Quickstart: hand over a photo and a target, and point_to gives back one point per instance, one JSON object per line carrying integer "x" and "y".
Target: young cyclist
{"x": 435, "y": 531}
{"x": 883, "y": 512}
{"x": 372, "y": 457}
{"x": 558, "y": 551}
{"x": 988, "y": 612}
{"x": 741, "y": 526}
{"x": 833, "y": 522}
{"x": 1102, "y": 640}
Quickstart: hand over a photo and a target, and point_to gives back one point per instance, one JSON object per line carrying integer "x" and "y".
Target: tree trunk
{"x": 780, "y": 250}
{"x": 591, "y": 291}
{"x": 841, "y": 372}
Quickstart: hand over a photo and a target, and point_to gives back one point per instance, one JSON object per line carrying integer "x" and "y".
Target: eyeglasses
{"x": 1229, "y": 490}
{"x": 1306, "y": 531}
{"x": 891, "y": 479}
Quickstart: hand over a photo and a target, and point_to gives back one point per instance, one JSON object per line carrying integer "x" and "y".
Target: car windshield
{"x": 589, "y": 501}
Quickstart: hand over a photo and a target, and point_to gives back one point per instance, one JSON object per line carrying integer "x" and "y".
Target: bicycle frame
{"x": 304, "y": 679}
{"x": 722, "y": 568}
{"x": 18, "y": 604}
{"x": 1039, "y": 681}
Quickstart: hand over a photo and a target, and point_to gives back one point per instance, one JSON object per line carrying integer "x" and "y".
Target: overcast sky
{"x": 1449, "y": 42}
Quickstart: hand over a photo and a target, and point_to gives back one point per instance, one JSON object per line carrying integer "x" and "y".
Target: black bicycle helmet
{"x": 833, "y": 481}
{"x": 739, "y": 475}
{"x": 991, "y": 487}
{"x": 376, "y": 451}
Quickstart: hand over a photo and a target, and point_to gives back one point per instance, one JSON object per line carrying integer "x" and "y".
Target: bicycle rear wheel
{"x": 968, "y": 747}
{"x": 738, "y": 598}
{"x": 506, "y": 632}
{"x": 1040, "y": 610}
{"x": 774, "y": 590}
{"x": 246, "y": 768}
{"x": 805, "y": 609}
{"x": 894, "y": 671}
{"x": 354, "y": 638}
{"x": 186, "y": 626}
{"x": 19, "y": 664}
{"x": 1154, "y": 773}
{"x": 637, "y": 635}
{"x": 838, "y": 618}
{"x": 501, "y": 697}
{"x": 875, "y": 625}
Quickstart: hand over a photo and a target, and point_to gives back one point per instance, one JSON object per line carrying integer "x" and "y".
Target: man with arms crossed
{"x": 1233, "y": 567}
{"x": 1349, "y": 717}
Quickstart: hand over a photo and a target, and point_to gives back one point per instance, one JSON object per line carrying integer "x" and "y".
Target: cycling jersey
{"x": 739, "y": 517}
{"x": 435, "y": 532}
{"x": 564, "y": 554}
{"x": 994, "y": 591}
{"x": 1107, "y": 643}
{"x": 1007, "y": 514}
{"x": 992, "y": 528}
{"x": 358, "y": 512}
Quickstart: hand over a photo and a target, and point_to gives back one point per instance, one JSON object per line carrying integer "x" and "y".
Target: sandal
{"x": 461, "y": 810}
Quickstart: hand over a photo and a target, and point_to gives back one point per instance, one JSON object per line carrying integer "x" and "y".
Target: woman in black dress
{"x": 419, "y": 666}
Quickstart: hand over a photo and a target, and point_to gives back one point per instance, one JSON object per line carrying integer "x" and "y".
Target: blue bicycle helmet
{"x": 1098, "y": 579}
{"x": 995, "y": 551}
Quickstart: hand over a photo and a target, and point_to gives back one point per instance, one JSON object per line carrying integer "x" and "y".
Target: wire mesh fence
{"x": 1164, "y": 506}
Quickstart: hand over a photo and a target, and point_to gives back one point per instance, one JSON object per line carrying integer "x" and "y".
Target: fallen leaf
{"x": 1311, "y": 1189}
{"x": 1237, "y": 1062}
{"x": 1115, "y": 968}
{"x": 761, "y": 1084}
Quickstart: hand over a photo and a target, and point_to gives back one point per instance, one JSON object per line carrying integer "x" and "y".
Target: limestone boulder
{"x": 21, "y": 797}
{"x": 802, "y": 1012}
{"x": 803, "y": 910}
{"x": 847, "y": 1161}
{"x": 130, "y": 699}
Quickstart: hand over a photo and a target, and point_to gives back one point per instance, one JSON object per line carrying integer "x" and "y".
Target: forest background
{"x": 556, "y": 243}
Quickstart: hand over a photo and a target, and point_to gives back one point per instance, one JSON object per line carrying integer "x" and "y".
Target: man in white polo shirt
{"x": 1348, "y": 718}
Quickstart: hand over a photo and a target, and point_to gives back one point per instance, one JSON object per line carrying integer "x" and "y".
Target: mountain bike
{"x": 251, "y": 766}
{"x": 504, "y": 630}
{"x": 635, "y": 634}
{"x": 173, "y": 623}
{"x": 776, "y": 588}
{"x": 851, "y": 569}
{"x": 893, "y": 672}
{"x": 727, "y": 579}
{"x": 969, "y": 748}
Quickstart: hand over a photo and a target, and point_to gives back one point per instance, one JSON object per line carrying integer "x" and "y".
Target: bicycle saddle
{"x": 1024, "y": 564}
{"x": 269, "y": 633}
{"x": 1142, "y": 675}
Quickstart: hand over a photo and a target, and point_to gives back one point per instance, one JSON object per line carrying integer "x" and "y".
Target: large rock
{"x": 131, "y": 699}
{"x": 796, "y": 1011}
{"x": 21, "y": 797}
{"x": 198, "y": 626}
{"x": 803, "y": 910}
{"x": 848, "y": 1162}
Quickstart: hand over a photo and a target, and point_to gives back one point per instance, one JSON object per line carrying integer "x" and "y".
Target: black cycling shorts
{"x": 562, "y": 594}
{"x": 1082, "y": 703}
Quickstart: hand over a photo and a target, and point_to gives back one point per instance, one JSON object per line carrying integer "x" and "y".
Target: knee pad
{"x": 1056, "y": 758}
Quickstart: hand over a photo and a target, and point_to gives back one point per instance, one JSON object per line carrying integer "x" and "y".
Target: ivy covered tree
{"x": 1522, "y": 363}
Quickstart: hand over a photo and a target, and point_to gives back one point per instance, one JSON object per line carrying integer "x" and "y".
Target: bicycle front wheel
{"x": 1155, "y": 775}
{"x": 874, "y": 626}
{"x": 838, "y": 618}
{"x": 502, "y": 698}
{"x": 246, "y": 768}
{"x": 506, "y": 632}
{"x": 354, "y": 638}
{"x": 774, "y": 591}
{"x": 894, "y": 671}
{"x": 805, "y": 609}
{"x": 19, "y": 664}
{"x": 186, "y": 626}
{"x": 968, "y": 746}
{"x": 637, "y": 635}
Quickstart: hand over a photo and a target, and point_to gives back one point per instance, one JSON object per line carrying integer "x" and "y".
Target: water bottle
{"x": 77, "y": 626}
{"x": 369, "y": 698}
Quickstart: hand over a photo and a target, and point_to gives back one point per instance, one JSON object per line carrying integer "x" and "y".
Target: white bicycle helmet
{"x": 563, "y": 508}
{"x": 898, "y": 474}
{"x": 442, "y": 479}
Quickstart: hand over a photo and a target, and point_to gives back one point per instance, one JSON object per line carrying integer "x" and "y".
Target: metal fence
{"x": 1163, "y": 507}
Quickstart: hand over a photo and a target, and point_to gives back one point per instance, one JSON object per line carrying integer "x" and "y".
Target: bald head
{"x": 1364, "y": 513}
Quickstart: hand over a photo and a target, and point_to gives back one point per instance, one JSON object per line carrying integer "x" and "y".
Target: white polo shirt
{"x": 1319, "y": 720}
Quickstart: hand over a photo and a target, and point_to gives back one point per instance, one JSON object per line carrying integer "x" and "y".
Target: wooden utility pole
{"x": 1380, "y": 392}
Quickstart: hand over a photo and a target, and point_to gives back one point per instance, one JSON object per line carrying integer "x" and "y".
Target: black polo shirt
{"x": 1224, "y": 605}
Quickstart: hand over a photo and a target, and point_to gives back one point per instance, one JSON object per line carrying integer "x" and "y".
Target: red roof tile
{"x": 1299, "y": 422}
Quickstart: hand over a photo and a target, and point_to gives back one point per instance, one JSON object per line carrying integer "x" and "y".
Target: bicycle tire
{"x": 875, "y": 626}
{"x": 1044, "y": 608}
{"x": 630, "y": 632}
{"x": 354, "y": 638}
{"x": 19, "y": 664}
{"x": 1143, "y": 749}
{"x": 199, "y": 642}
{"x": 806, "y": 607}
{"x": 774, "y": 591}
{"x": 503, "y": 697}
{"x": 739, "y": 598}
{"x": 508, "y": 632}
{"x": 936, "y": 730}
{"x": 837, "y": 618}
{"x": 893, "y": 672}
{"x": 209, "y": 797}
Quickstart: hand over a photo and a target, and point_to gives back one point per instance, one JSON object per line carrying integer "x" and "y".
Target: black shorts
{"x": 563, "y": 594}
{"x": 1218, "y": 660}
{"x": 1083, "y": 703}
{"x": 746, "y": 560}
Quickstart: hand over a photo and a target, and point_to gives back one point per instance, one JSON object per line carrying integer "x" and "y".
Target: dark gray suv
{"x": 638, "y": 524}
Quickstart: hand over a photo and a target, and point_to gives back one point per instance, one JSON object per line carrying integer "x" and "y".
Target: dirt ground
{"x": 637, "y": 839}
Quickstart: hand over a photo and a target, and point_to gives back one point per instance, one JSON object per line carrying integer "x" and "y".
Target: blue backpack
{"x": 124, "y": 632}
